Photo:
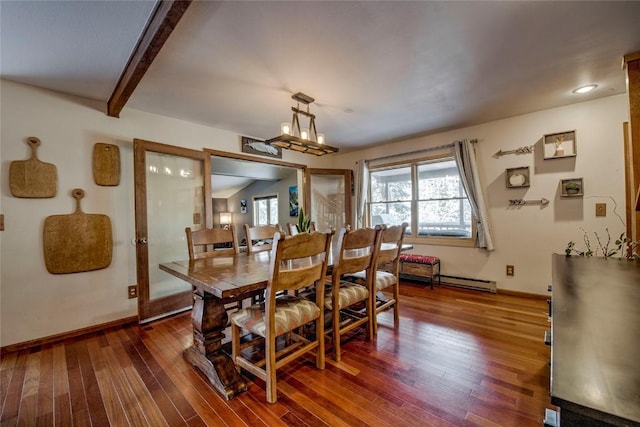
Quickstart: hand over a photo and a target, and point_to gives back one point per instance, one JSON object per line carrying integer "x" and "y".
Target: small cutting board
{"x": 32, "y": 178}
{"x": 106, "y": 164}
{"x": 77, "y": 242}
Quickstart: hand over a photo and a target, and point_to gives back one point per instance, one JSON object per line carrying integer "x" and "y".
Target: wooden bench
{"x": 420, "y": 267}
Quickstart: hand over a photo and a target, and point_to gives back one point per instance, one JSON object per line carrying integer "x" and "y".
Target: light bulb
{"x": 304, "y": 134}
{"x": 321, "y": 138}
{"x": 285, "y": 128}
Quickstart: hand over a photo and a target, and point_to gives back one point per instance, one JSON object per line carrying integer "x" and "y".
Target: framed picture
{"x": 261, "y": 148}
{"x": 573, "y": 187}
{"x": 517, "y": 177}
{"x": 243, "y": 206}
{"x": 560, "y": 145}
{"x": 293, "y": 200}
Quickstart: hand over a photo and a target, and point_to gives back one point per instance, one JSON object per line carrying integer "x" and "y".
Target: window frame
{"x": 271, "y": 198}
{"x": 415, "y": 200}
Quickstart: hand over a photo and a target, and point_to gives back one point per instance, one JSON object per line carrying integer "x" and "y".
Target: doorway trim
{"x": 150, "y": 309}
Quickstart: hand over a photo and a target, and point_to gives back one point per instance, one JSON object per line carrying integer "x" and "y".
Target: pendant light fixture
{"x": 304, "y": 140}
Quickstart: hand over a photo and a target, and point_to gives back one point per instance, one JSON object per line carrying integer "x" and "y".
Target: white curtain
{"x": 465, "y": 155}
{"x": 362, "y": 188}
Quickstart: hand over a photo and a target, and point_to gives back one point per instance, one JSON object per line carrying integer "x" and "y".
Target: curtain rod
{"x": 424, "y": 150}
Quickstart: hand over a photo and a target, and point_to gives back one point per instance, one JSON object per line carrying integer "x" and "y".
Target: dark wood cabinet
{"x": 595, "y": 353}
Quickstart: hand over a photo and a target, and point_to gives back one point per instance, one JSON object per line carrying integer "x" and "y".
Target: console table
{"x": 595, "y": 353}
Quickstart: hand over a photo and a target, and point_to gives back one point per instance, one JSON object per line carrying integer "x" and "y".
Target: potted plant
{"x": 572, "y": 188}
{"x": 304, "y": 223}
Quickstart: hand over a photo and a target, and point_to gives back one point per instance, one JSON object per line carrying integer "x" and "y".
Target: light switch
{"x": 601, "y": 209}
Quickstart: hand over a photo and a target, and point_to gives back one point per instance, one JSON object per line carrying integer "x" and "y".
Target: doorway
{"x": 170, "y": 194}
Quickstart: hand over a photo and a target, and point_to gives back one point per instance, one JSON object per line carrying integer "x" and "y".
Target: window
{"x": 428, "y": 195}
{"x": 265, "y": 210}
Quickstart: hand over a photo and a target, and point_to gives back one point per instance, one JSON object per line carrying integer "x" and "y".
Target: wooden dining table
{"x": 217, "y": 282}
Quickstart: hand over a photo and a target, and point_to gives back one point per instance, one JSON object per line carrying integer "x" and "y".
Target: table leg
{"x": 209, "y": 319}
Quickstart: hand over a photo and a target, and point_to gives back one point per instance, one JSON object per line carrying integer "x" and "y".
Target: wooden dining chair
{"x": 259, "y": 236}
{"x": 387, "y": 273}
{"x": 201, "y": 243}
{"x": 357, "y": 251}
{"x": 296, "y": 262}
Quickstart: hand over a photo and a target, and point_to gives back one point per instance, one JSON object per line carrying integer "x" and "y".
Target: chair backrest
{"x": 391, "y": 246}
{"x": 293, "y": 228}
{"x": 260, "y": 235}
{"x": 298, "y": 261}
{"x": 357, "y": 251}
{"x": 206, "y": 238}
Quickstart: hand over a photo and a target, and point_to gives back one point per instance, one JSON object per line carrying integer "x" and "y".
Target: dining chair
{"x": 387, "y": 273}
{"x": 259, "y": 237}
{"x": 201, "y": 243}
{"x": 357, "y": 251}
{"x": 296, "y": 262}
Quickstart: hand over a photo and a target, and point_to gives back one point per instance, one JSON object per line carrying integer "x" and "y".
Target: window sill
{"x": 441, "y": 241}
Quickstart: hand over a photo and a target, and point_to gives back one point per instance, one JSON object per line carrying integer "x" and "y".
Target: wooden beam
{"x": 164, "y": 19}
{"x": 632, "y": 65}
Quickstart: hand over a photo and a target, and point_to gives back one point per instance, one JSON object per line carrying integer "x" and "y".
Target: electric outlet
{"x": 601, "y": 209}
{"x": 133, "y": 291}
{"x": 510, "y": 270}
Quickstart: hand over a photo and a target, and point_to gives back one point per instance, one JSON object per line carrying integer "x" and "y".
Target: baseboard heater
{"x": 469, "y": 283}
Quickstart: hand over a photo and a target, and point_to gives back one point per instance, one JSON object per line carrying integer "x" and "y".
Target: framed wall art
{"x": 573, "y": 187}
{"x": 293, "y": 200}
{"x": 261, "y": 148}
{"x": 560, "y": 145}
{"x": 517, "y": 177}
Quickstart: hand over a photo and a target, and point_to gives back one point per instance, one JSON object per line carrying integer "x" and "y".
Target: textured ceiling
{"x": 379, "y": 71}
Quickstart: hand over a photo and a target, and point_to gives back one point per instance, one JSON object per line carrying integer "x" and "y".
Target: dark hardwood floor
{"x": 458, "y": 358}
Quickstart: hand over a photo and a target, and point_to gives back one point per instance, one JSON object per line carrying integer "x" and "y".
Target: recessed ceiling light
{"x": 585, "y": 89}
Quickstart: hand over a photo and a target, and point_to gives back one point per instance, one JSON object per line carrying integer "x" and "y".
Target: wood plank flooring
{"x": 458, "y": 358}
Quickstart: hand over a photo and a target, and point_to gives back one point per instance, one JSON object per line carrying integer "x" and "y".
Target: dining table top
{"x": 227, "y": 277}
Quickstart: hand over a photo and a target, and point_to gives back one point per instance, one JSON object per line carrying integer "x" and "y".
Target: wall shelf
{"x": 517, "y": 177}
{"x": 560, "y": 145}
{"x": 572, "y": 187}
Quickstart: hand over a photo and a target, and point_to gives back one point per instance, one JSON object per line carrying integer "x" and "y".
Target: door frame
{"x": 349, "y": 189}
{"x": 149, "y": 309}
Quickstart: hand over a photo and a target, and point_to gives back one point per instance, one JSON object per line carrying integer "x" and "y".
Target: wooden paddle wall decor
{"x": 106, "y": 164}
{"x": 32, "y": 178}
{"x": 77, "y": 242}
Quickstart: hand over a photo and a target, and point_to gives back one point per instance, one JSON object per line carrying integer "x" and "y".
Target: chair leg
{"x": 374, "y": 320}
{"x": 336, "y": 331}
{"x": 270, "y": 369}
{"x": 320, "y": 337}
{"x": 235, "y": 344}
{"x": 396, "y": 307}
{"x": 371, "y": 313}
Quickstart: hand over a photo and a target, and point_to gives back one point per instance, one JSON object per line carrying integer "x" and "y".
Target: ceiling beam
{"x": 164, "y": 19}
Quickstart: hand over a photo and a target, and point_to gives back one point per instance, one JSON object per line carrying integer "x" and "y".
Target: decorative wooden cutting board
{"x": 106, "y": 164}
{"x": 77, "y": 242}
{"x": 32, "y": 178}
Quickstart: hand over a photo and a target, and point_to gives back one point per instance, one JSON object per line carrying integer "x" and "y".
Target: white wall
{"x": 36, "y": 304}
{"x": 262, "y": 188}
{"x": 526, "y": 236}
